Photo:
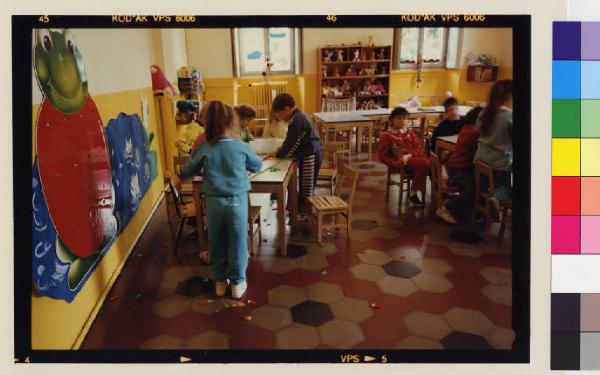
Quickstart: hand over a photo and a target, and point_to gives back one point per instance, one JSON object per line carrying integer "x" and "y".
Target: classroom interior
{"x": 398, "y": 278}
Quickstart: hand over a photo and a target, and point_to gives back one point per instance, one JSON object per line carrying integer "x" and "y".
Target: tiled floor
{"x": 400, "y": 283}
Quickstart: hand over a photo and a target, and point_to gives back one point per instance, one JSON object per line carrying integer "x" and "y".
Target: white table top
{"x": 264, "y": 175}
{"x": 332, "y": 117}
{"x": 362, "y": 114}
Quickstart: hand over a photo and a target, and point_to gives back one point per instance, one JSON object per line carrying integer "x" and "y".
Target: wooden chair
{"x": 187, "y": 189}
{"x": 507, "y": 206}
{"x": 335, "y": 205}
{"x": 332, "y": 152}
{"x": 437, "y": 190}
{"x": 379, "y": 126}
{"x": 186, "y": 213}
{"x": 403, "y": 183}
{"x": 254, "y": 220}
{"x": 481, "y": 197}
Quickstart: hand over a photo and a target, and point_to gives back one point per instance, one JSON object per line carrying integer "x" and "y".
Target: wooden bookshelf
{"x": 347, "y": 77}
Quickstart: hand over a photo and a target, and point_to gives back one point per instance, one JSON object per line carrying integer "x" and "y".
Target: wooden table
{"x": 446, "y": 143}
{"x": 413, "y": 112}
{"x": 264, "y": 181}
{"x": 338, "y": 121}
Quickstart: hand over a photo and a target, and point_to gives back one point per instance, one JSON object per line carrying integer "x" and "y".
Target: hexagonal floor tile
{"x": 352, "y": 309}
{"x": 465, "y": 250}
{"x": 465, "y": 341}
{"x": 200, "y": 305}
{"x": 402, "y": 269}
{"x": 469, "y": 321}
{"x": 323, "y": 292}
{"x": 311, "y": 262}
{"x": 405, "y": 253}
{"x": 297, "y": 336}
{"x": 177, "y": 273}
{"x": 415, "y": 342}
{"x": 172, "y": 306}
{"x": 278, "y": 264}
{"x": 501, "y": 338}
{"x": 295, "y": 250}
{"x": 208, "y": 340}
{"x": 341, "y": 334}
{"x": 362, "y": 224}
{"x": 374, "y": 257}
{"x": 496, "y": 275}
{"x": 431, "y": 282}
{"x": 194, "y": 286}
{"x": 271, "y": 317}
{"x": 498, "y": 293}
{"x": 427, "y": 325}
{"x": 396, "y": 286}
{"x": 311, "y": 313}
{"x": 325, "y": 250}
{"x": 286, "y": 295}
{"x": 367, "y": 272}
{"x": 163, "y": 342}
{"x": 432, "y": 265}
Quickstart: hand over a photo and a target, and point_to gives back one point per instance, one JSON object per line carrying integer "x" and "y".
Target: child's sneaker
{"x": 494, "y": 208}
{"x": 220, "y": 288}
{"x": 238, "y": 290}
{"x": 414, "y": 199}
{"x": 443, "y": 214}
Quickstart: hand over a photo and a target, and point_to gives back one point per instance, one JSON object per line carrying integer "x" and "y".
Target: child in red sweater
{"x": 400, "y": 148}
{"x": 460, "y": 171}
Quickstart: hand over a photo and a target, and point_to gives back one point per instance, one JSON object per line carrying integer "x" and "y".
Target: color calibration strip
{"x": 576, "y": 196}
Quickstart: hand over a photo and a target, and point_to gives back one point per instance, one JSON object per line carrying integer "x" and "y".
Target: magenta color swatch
{"x": 590, "y": 45}
{"x": 590, "y": 234}
{"x": 565, "y": 235}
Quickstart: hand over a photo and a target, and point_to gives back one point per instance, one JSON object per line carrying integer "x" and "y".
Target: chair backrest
{"x": 436, "y": 178}
{"x": 178, "y": 164}
{"x": 482, "y": 169}
{"x": 338, "y": 105}
{"x": 175, "y": 197}
{"x": 348, "y": 180}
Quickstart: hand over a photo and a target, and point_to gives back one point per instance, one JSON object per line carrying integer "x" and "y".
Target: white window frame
{"x": 295, "y": 55}
{"x": 444, "y": 63}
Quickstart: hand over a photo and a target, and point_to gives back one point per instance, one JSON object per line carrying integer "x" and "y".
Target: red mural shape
{"x": 76, "y": 175}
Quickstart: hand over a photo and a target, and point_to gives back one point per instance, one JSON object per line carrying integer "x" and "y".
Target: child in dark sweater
{"x": 302, "y": 143}
{"x": 451, "y": 124}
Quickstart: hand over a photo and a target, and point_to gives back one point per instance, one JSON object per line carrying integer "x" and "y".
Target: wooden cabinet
{"x": 480, "y": 73}
{"x": 357, "y": 72}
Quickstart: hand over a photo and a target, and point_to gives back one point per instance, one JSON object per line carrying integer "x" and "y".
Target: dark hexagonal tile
{"x": 465, "y": 341}
{"x": 194, "y": 286}
{"x": 364, "y": 224}
{"x": 311, "y": 313}
{"x": 295, "y": 251}
{"x": 402, "y": 269}
{"x": 366, "y": 166}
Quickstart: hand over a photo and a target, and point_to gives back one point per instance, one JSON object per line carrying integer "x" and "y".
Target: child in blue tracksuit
{"x": 224, "y": 162}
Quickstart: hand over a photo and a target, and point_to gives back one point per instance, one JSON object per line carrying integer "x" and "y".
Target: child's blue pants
{"x": 227, "y": 225}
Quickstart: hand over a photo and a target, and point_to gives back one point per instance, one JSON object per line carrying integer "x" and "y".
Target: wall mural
{"x": 88, "y": 180}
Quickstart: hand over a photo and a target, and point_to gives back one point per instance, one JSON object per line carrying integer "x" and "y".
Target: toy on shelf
{"x": 189, "y": 82}
{"x": 384, "y": 70}
{"x": 379, "y": 89}
{"x": 347, "y": 90}
{"x": 328, "y": 56}
{"x": 324, "y": 71}
{"x": 340, "y": 55}
{"x": 372, "y": 56}
{"x": 336, "y": 72}
{"x": 356, "y": 54}
{"x": 350, "y": 71}
{"x": 371, "y": 70}
{"x": 381, "y": 55}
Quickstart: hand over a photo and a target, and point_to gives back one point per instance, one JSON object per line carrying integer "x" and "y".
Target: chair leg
{"x": 311, "y": 220}
{"x": 349, "y": 225}
{"x": 251, "y": 238}
{"x": 179, "y": 234}
{"x": 331, "y": 185}
{"x": 319, "y": 228}
{"x": 259, "y": 230}
{"x": 502, "y": 225}
{"x": 387, "y": 191}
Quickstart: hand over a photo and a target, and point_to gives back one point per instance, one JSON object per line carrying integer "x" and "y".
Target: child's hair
{"x": 219, "y": 118}
{"x": 398, "y": 111}
{"x": 202, "y": 115}
{"x": 450, "y": 101}
{"x": 245, "y": 111}
{"x": 281, "y": 101}
{"x": 471, "y": 116}
{"x": 499, "y": 94}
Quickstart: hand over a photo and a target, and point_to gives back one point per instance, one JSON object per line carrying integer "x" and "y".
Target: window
{"x": 437, "y": 45}
{"x": 254, "y": 47}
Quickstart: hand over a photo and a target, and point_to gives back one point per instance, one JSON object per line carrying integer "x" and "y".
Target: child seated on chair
{"x": 460, "y": 171}
{"x": 192, "y": 131}
{"x": 495, "y": 143}
{"x": 302, "y": 143}
{"x": 450, "y": 125}
{"x": 245, "y": 115}
{"x": 401, "y": 149}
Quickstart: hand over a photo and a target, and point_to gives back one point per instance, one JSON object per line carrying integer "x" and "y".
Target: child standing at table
{"x": 245, "y": 115}
{"x": 224, "y": 162}
{"x": 400, "y": 148}
{"x": 495, "y": 142}
{"x": 450, "y": 125}
{"x": 302, "y": 143}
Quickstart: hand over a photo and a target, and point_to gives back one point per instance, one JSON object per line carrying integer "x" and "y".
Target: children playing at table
{"x": 495, "y": 142}
{"x": 401, "y": 149}
{"x": 275, "y": 128}
{"x": 460, "y": 171}
{"x": 303, "y": 143}
{"x": 224, "y": 161}
{"x": 450, "y": 125}
{"x": 245, "y": 115}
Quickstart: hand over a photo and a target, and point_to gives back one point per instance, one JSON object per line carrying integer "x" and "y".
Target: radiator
{"x": 264, "y": 93}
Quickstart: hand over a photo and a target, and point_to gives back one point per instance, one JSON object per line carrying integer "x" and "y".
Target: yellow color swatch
{"x": 565, "y": 157}
{"x": 590, "y": 157}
